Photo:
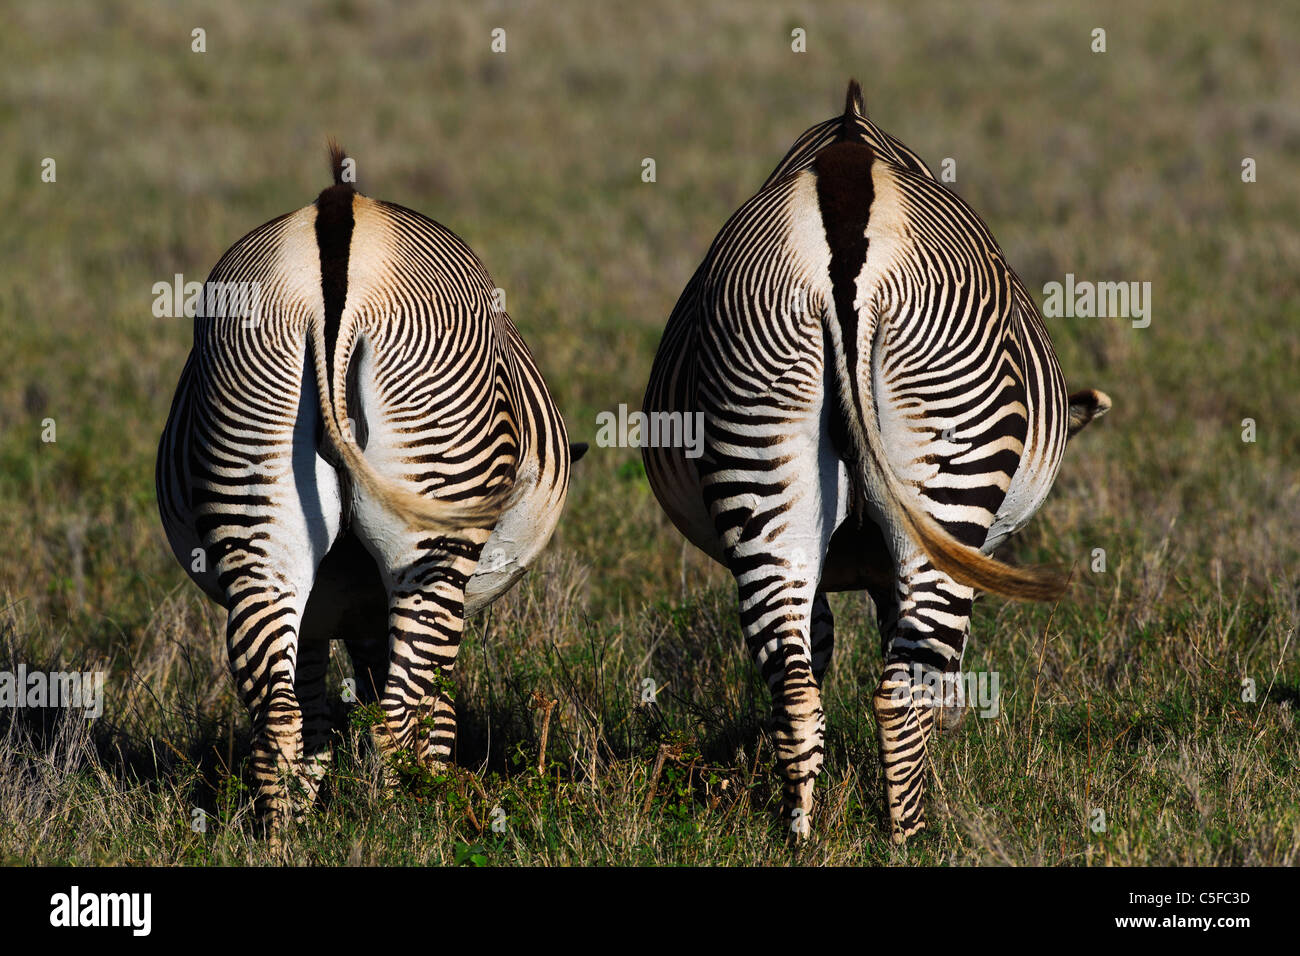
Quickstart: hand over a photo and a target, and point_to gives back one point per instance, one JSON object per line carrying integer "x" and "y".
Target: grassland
{"x": 1123, "y": 165}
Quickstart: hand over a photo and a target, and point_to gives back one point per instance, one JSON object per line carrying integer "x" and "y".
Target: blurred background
{"x": 1123, "y": 165}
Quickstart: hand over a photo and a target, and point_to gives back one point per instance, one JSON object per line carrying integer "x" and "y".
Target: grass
{"x": 1127, "y": 698}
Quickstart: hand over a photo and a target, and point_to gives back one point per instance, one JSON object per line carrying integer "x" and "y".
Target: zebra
{"x": 882, "y": 408}
{"x": 370, "y": 457}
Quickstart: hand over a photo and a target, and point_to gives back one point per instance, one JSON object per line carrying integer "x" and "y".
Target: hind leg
{"x": 279, "y": 672}
{"x": 924, "y": 629}
{"x": 262, "y": 640}
{"x": 267, "y": 581}
{"x": 426, "y": 618}
{"x": 775, "y": 617}
{"x": 265, "y": 506}
{"x": 776, "y": 626}
{"x": 775, "y": 545}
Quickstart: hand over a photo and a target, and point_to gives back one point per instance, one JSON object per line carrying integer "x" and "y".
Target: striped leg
{"x": 774, "y": 549}
{"x": 775, "y": 616}
{"x": 262, "y": 640}
{"x": 953, "y": 711}
{"x": 426, "y": 621}
{"x": 932, "y": 622}
{"x": 263, "y": 505}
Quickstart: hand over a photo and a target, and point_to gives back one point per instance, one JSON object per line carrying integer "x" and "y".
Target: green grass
{"x": 1119, "y": 166}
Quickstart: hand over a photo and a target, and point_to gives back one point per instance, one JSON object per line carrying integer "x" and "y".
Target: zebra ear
{"x": 854, "y": 104}
{"x": 577, "y": 449}
{"x": 1084, "y": 407}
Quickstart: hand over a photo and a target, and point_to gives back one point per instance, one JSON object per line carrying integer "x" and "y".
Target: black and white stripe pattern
{"x": 370, "y": 460}
{"x": 882, "y": 408}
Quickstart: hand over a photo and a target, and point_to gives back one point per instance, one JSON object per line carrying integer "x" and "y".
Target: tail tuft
{"x": 973, "y": 568}
{"x": 338, "y": 156}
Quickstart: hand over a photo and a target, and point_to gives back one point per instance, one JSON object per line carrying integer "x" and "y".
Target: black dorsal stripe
{"x": 334, "y": 224}
{"x": 844, "y": 195}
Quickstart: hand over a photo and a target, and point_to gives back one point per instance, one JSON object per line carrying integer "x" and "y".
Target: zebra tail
{"x": 964, "y": 564}
{"x": 437, "y": 515}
